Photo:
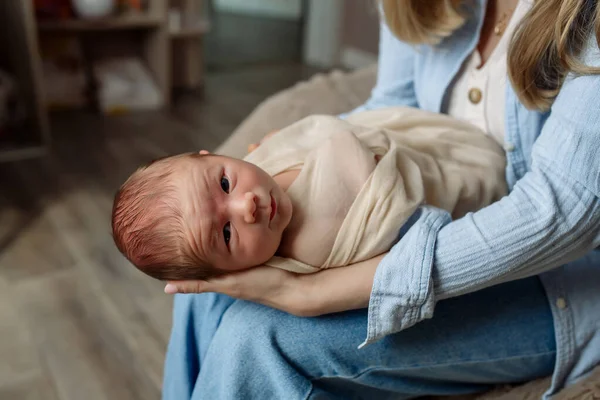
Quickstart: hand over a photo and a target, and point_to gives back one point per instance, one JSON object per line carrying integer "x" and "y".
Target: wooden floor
{"x": 76, "y": 320}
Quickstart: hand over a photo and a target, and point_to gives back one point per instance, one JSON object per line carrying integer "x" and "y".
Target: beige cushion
{"x": 332, "y": 93}
{"x": 339, "y": 92}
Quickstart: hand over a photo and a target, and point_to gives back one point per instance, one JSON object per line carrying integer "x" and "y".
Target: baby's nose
{"x": 249, "y": 207}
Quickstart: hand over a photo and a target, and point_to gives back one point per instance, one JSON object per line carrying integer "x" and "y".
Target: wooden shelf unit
{"x": 186, "y": 44}
{"x": 133, "y": 21}
{"x": 19, "y": 55}
{"x": 173, "y": 58}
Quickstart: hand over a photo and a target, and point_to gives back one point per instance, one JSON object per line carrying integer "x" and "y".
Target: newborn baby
{"x": 195, "y": 215}
{"x": 314, "y": 195}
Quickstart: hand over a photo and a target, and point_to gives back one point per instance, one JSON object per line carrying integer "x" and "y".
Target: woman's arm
{"x": 328, "y": 291}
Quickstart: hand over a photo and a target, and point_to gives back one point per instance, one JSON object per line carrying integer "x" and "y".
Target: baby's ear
{"x": 204, "y": 152}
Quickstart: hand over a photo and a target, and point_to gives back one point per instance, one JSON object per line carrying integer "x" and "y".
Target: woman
{"x": 503, "y": 295}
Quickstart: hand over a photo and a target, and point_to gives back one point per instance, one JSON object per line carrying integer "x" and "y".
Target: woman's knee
{"x": 248, "y": 325}
{"x": 200, "y": 306}
{"x": 262, "y": 333}
{"x": 196, "y": 318}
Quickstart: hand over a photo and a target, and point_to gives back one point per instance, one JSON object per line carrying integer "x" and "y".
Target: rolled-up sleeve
{"x": 552, "y": 216}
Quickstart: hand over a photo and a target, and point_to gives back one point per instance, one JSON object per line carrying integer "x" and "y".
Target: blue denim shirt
{"x": 548, "y": 225}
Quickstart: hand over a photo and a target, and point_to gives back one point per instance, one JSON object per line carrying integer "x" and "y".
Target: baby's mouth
{"x": 273, "y": 208}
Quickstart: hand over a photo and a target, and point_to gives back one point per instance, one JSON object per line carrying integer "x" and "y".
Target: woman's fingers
{"x": 269, "y": 135}
{"x": 185, "y": 287}
{"x": 226, "y": 284}
{"x": 260, "y": 284}
{"x": 254, "y": 146}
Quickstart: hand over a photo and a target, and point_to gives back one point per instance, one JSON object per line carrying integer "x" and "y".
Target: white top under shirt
{"x": 488, "y": 113}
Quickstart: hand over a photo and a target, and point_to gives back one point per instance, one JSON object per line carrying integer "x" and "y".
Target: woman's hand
{"x": 254, "y": 146}
{"x": 328, "y": 291}
{"x": 269, "y": 286}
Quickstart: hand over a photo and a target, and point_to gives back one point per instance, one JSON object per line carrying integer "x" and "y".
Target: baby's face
{"x": 236, "y": 213}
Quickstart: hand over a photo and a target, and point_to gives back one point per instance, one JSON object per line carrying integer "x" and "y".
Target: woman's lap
{"x": 498, "y": 335}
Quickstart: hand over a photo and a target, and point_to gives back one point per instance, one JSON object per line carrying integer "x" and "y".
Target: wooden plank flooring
{"x": 76, "y": 320}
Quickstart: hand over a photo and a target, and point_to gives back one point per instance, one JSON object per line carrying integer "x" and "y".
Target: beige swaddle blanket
{"x": 348, "y": 207}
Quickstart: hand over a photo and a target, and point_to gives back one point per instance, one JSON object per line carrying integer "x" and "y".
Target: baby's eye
{"x": 225, "y": 184}
{"x": 227, "y": 233}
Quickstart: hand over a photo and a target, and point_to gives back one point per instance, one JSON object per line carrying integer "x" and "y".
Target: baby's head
{"x": 193, "y": 216}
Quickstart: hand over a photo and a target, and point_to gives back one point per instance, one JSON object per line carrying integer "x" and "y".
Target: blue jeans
{"x": 222, "y": 348}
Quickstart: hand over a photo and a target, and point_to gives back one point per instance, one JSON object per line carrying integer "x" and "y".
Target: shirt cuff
{"x": 402, "y": 293}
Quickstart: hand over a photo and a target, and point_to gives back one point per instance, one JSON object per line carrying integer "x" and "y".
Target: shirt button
{"x": 509, "y": 146}
{"x": 475, "y": 95}
{"x": 561, "y": 303}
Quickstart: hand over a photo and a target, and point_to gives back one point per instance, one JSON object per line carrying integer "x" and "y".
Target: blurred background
{"x": 89, "y": 90}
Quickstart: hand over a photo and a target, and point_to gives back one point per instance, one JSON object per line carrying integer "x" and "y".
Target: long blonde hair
{"x": 543, "y": 50}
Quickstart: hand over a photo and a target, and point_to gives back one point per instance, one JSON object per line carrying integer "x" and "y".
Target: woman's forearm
{"x": 341, "y": 289}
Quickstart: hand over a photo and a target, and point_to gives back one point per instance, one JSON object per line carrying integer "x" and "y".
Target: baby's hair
{"x": 149, "y": 228}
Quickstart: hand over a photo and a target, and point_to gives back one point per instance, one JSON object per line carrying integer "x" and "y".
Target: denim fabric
{"x": 223, "y": 348}
{"x": 549, "y": 224}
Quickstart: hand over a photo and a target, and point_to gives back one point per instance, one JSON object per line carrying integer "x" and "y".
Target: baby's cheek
{"x": 264, "y": 248}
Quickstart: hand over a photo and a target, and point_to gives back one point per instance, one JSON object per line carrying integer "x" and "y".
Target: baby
{"x": 193, "y": 216}
{"x": 321, "y": 193}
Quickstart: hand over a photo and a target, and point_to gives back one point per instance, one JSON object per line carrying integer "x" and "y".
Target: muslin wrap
{"x": 348, "y": 207}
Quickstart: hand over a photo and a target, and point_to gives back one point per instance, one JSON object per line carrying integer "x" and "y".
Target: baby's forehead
{"x": 183, "y": 165}
{"x": 195, "y": 161}
{"x": 207, "y": 165}
{"x": 193, "y": 178}
{"x": 195, "y": 175}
